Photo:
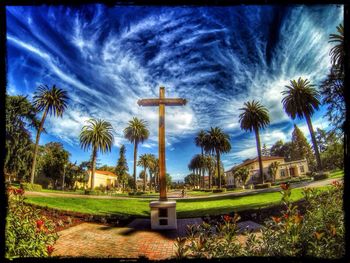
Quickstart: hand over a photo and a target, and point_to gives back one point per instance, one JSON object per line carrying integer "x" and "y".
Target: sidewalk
{"x": 134, "y": 241}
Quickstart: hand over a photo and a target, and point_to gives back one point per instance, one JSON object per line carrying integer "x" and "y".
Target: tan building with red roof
{"x": 285, "y": 170}
{"x": 103, "y": 179}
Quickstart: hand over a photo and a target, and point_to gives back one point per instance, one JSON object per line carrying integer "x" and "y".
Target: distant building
{"x": 102, "y": 179}
{"x": 285, "y": 170}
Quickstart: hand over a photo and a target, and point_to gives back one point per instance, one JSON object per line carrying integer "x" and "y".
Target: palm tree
{"x": 301, "y": 100}
{"x": 144, "y": 161}
{"x": 200, "y": 141}
{"x": 152, "y": 163}
{"x": 98, "y": 135}
{"x": 337, "y": 52}
{"x": 217, "y": 142}
{"x": 51, "y": 101}
{"x": 254, "y": 117}
{"x": 136, "y": 132}
{"x": 210, "y": 167}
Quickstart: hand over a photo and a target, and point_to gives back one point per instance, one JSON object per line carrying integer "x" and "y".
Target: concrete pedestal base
{"x": 163, "y": 215}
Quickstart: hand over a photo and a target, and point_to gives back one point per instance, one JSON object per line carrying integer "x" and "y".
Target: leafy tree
{"x": 50, "y": 101}
{"x": 301, "y": 100}
{"x": 98, "y": 135}
{"x": 300, "y": 147}
{"x": 52, "y": 161}
{"x": 210, "y": 167}
{"x": 192, "y": 179}
{"x": 200, "y": 142}
{"x": 332, "y": 88}
{"x": 272, "y": 170}
{"x": 331, "y": 148}
{"x": 122, "y": 169}
{"x": 282, "y": 149}
{"x": 265, "y": 151}
{"x": 107, "y": 168}
{"x": 136, "y": 133}
{"x": 153, "y": 168}
{"x": 168, "y": 180}
{"x": 74, "y": 173}
{"x": 254, "y": 117}
{"x": 19, "y": 113}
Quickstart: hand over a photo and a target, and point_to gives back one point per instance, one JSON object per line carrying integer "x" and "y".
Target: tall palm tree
{"x": 52, "y": 101}
{"x": 301, "y": 100}
{"x": 144, "y": 161}
{"x": 217, "y": 142}
{"x": 98, "y": 135}
{"x": 210, "y": 167}
{"x": 152, "y": 166}
{"x": 254, "y": 117}
{"x": 337, "y": 52}
{"x": 136, "y": 133}
{"x": 200, "y": 141}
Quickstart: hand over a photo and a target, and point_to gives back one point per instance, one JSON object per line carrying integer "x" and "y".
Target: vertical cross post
{"x": 161, "y": 150}
{"x": 161, "y": 103}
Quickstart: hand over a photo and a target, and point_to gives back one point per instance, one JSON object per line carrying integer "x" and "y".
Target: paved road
{"x": 175, "y": 194}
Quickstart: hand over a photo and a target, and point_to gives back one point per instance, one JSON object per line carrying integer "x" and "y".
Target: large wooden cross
{"x": 162, "y": 102}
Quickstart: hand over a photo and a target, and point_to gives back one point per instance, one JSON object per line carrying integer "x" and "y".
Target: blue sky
{"x": 215, "y": 57}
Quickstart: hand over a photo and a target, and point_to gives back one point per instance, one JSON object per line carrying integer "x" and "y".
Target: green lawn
{"x": 185, "y": 207}
{"x": 337, "y": 174}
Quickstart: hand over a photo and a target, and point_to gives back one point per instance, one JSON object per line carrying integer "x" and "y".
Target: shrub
{"x": 89, "y": 192}
{"x": 27, "y": 234}
{"x": 31, "y": 187}
{"x": 262, "y": 186}
{"x": 319, "y": 232}
{"x": 310, "y": 174}
{"x": 321, "y": 176}
{"x": 220, "y": 190}
{"x": 136, "y": 193}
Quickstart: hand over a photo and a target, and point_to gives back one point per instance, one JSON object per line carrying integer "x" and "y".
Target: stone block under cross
{"x": 162, "y": 102}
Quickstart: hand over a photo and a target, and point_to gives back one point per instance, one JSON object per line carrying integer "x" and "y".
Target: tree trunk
{"x": 314, "y": 143}
{"x": 218, "y": 165}
{"x": 135, "y": 157}
{"x": 144, "y": 179}
{"x": 93, "y": 168}
{"x": 37, "y": 145}
{"x": 259, "y": 154}
{"x": 64, "y": 174}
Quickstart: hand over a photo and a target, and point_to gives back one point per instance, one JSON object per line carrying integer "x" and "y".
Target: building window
{"x": 283, "y": 174}
{"x": 301, "y": 167}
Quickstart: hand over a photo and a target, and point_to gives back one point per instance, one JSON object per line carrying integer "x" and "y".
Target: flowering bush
{"x": 319, "y": 232}
{"x": 27, "y": 234}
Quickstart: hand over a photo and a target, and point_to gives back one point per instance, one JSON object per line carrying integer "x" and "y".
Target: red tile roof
{"x": 249, "y": 161}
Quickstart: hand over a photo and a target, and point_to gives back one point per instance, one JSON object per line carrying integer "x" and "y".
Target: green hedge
{"x": 31, "y": 187}
{"x": 95, "y": 192}
{"x": 262, "y": 186}
{"x": 137, "y": 193}
{"x": 321, "y": 176}
{"x": 221, "y": 190}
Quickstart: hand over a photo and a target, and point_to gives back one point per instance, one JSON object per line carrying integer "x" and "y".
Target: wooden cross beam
{"x": 162, "y": 102}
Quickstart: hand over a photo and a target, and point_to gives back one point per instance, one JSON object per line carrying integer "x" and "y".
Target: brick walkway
{"x": 133, "y": 241}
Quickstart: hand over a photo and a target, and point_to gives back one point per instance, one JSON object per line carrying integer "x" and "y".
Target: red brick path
{"x": 97, "y": 240}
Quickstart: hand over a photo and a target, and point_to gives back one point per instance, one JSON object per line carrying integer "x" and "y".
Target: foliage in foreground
{"x": 27, "y": 234}
{"x": 319, "y": 232}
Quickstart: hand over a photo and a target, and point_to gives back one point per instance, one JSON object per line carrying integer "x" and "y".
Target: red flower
{"x": 50, "y": 249}
{"x": 276, "y": 219}
{"x": 336, "y": 183}
{"x": 227, "y": 218}
{"x": 39, "y": 224}
{"x": 286, "y": 216}
{"x": 11, "y": 190}
{"x": 284, "y": 186}
{"x": 19, "y": 191}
